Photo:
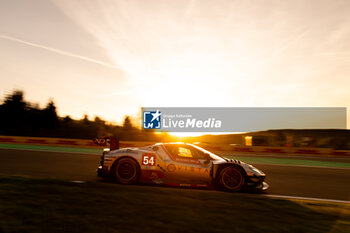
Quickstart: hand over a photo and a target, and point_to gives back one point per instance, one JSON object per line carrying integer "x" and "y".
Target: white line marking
{"x": 78, "y": 181}
{"x": 307, "y": 198}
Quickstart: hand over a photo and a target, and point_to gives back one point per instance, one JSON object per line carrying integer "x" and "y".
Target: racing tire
{"x": 126, "y": 171}
{"x": 231, "y": 178}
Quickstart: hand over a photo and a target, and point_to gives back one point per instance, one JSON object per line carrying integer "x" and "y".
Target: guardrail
{"x": 86, "y": 143}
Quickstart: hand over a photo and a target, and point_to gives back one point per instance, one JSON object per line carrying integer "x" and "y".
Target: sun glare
{"x": 196, "y": 134}
{"x": 187, "y": 134}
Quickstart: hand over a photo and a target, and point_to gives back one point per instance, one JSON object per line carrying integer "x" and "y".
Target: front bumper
{"x": 101, "y": 172}
{"x": 256, "y": 183}
{"x": 262, "y": 186}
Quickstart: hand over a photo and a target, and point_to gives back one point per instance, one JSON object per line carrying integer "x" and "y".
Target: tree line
{"x": 19, "y": 117}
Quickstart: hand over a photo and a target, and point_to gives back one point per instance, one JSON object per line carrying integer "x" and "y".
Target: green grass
{"x": 43, "y": 205}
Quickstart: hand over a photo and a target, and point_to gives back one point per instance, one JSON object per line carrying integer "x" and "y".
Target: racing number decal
{"x": 148, "y": 159}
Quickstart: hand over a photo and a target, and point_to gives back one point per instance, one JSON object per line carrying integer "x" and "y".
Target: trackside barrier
{"x": 276, "y": 150}
{"x": 290, "y": 150}
{"x": 86, "y": 143}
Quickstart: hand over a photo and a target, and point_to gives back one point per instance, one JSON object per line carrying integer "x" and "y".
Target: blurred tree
{"x": 22, "y": 118}
{"x": 67, "y": 119}
{"x": 101, "y": 127}
{"x": 12, "y": 115}
{"x": 50, "y": 118}
{"x": 98, "y": 120}
{"x": 85, "y": 120}
{"x": 15, "y": 99}
{"x": 127, "y": 123}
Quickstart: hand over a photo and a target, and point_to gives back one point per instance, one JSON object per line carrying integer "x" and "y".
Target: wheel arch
{"x": 115, "y": 162}
{"x": 222, "y": 166}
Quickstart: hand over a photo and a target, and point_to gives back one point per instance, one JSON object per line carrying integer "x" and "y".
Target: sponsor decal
{"x": 187, "y": 160}
{"x": 171, "y": 168}
{"x": 151, "y": 176}
{"x": 188, "y": 185}
{"x": 154, "y": 176}
{"x": 186, "y": 168}
{"x": 101, "y": 141}
{"x": 163, "y": 170}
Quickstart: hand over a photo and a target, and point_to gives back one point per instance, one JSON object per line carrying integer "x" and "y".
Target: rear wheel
{"x": 126, "y": 171}
{"x": 231, "y": 178}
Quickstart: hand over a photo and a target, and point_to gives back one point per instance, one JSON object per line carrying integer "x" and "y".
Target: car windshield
{"x": 212, "y": 155}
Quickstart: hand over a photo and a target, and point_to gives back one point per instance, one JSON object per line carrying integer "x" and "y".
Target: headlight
{"x": 254, "y": 169}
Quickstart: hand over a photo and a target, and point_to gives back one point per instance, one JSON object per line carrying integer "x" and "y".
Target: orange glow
{"x": 248, "y": 140}
{"x": 175, "y": 53}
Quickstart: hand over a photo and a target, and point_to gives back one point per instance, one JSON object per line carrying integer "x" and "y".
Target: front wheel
{"x": 126, "y": 171}
{"x": 231, "y": 179}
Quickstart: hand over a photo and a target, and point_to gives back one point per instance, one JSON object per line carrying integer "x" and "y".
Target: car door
{"x": 188, "y": 165}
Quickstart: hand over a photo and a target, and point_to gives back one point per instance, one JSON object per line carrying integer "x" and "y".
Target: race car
{"x": 179, "y": 164}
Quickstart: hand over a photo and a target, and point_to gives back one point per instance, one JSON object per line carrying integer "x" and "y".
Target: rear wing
{"x": 112, "y": 142}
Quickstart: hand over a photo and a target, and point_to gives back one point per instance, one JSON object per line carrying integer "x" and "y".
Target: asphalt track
{"x": 291, "y": 180}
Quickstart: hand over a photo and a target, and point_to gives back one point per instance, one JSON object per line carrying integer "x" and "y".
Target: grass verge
{"x": 44, "y": 205}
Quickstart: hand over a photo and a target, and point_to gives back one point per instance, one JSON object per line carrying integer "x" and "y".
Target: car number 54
{"x": 148, "y": 159}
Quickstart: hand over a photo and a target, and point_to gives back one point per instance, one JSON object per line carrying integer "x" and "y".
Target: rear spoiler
{"x": 112, "y": 142}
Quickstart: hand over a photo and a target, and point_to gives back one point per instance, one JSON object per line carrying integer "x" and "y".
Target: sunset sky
{"x": 109, "y": 58}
